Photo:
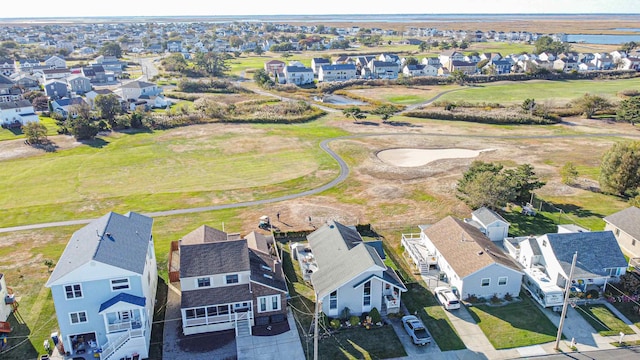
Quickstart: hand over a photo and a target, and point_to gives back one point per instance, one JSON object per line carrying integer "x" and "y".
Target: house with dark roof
{"x": 7, "y": 67}
{"x": 64, "y": 107}
{"x": 489, "y": 223}
{"x": 317, "y": 62}
{"x": 298, "y": 75}
{"x": 56, "y": 89}
{"x": 17, "y": 113}
{"x": 337, "y": 72}
{"x": 625, "y": 225}
{"x": 350, "y": 273}
{"x": 228, "y": 282}
{"x": 104, "y": 288}
{"x": 472, "y": 263}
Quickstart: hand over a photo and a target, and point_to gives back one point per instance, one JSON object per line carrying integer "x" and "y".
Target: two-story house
{"x": 7, "y": 67}
{"x": 229, "y": 283}
{"x": 56, "y": 62}
{"x": 625, "y": 225}
{"x": 274, "y": 66}
{"x": 104, "y": 288}
{"x": 383, "y": 69}
{"x": 135, "y": 89}
{"x": 337, "y": 72}
{"x": 317, "y": 62}
{"x": 349, "y": 273}
{"x": 298, "y": 75}
{"x": 79, "y": 84}
{"x": 17, "y": 113}
{"x": 56, "y": 89}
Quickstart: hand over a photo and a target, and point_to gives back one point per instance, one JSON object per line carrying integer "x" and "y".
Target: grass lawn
{"x": 514, "y": 325}
{"x": 626, "y": 308}
{"x": 419, "y": 299}
{"x": 7, "y": 134}
{"x": 559, "y": 92}
{"x": 184, "y": 167}
{"x": 357, "y": 343}
{"x": 603, "y": 320}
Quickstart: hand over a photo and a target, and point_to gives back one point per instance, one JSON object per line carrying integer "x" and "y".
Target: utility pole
{"x": 315, "y": 330}
{"x": 567, "y": 290}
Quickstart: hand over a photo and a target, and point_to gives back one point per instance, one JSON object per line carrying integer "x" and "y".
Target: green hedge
{"x": 500, "y": 119}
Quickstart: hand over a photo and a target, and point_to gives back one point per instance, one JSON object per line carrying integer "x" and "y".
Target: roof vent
{"x": 267, "y": 276}
{"x": 480, "y": 252}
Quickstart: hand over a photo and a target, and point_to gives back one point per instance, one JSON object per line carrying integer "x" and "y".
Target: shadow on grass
{"x": 16, "y": 130}
{"x": 97, "y": 143}
{"x": 157, "y": 328}
{"x": 577, "y": 210}
{"x": 359, "y": 343}
{"x": 370, "y": 123}
{"x": 18, "y": 345}
{"x": 401, "y": 123}
{"x": 524, "y": 225}
{"x": 133, "y": 131}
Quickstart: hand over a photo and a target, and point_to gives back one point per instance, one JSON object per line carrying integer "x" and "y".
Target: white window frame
{"x": 366, "y": 297}
{"x": 120, "y": 283}
{"x": 333, "y": 300}
{"x": 227, "y": 278}
{"x": 79, "y": 320}
{"x": 204, "y": 279}
{"x": 262, "y": 304}
{"x": 483, "y": 281}
{"x": 505, "y": 278}
{"x": 275, "y": 300}
{"x": 73, "y": 291}
{"x": 266, "y": 303}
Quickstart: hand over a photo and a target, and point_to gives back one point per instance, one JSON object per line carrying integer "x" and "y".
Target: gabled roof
{"x": 597, "y": 251}
{"x": 118, "y": 240}
{"x": 68, "y": 102}
{"x": 15, "y": 104}
{"x": 627, "y": 220}
{"x": 266, "y": 270}
{"x": 298, "y": 69}
{"x": 487, "y": 216}
{"x": 465, "y": 248}
{"x": 321, "y": 61}
{"x": 137, "y": 85}
{"x": 124, "y": 297}
{"x": 341, "y": 255}
{"x": 217, "y": 257}
{"x": 204, "y": 234}
{"x": 5, "y": 80}
{"x": 326, "y": 67}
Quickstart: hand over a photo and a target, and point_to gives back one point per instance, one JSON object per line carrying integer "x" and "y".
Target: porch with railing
{"x": 418, "y": 252}
{"x": 123, "y": 320}
{"x": 112, "y": 346}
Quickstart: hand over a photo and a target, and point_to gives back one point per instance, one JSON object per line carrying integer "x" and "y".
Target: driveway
{"x": 414, "y": 351}
{"x": 284, "y": 346}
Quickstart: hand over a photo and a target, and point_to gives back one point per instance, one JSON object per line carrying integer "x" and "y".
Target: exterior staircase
{"x": 383, "y": 309}
{"x": 243, "y": 328}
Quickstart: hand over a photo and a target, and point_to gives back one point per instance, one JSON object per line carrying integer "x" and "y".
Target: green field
{"x": 52, "y": 129}
{"x": 163, "y": 170}
{"x": 559, "y": 92}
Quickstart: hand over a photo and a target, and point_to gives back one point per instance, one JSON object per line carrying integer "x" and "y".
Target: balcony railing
{"x": 124, "y": 325}
{"x": 111, "y": 347}
{"x": 391, "y": 301}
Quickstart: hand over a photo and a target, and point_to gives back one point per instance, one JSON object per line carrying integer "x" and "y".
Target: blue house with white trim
{"x": 104, "y": 288}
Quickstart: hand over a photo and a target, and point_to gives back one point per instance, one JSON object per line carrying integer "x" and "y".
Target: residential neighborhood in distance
{"x": 313, "y": 245}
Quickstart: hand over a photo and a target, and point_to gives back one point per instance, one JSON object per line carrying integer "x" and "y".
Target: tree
{"x": 464, "y": 45}
{"x": 529, "y": 105}
{"x": 568, "y": 173}
{"x": 547, "y": 44}
{"x": 40, "y": 103}
{"x": 458, "y": 76}
{"x": 212, "y": 63}
{"x": 424, "y": 46}
{"x": 385, "y": 111}
{"x": 258, "y": 50}
{"x": 262, "y": 78}
{"x": 174, "y": 62}
{"x": 629, "y": 110}
{"x": 411, "y": 61}
{"x": 82, "y": 128}
{"x": 109, "y": 107}
{"x": 35, "y": 132}
{"x": 589, "y": 104}
{"x": 111, "y": 49}
{"x": 490, "y": 185}
{"x": 620, "y": 169}
{"x": 354, "y": 112}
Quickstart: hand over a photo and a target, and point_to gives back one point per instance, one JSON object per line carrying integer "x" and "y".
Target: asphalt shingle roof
{"x": 341, "y": 255}
{"x": 487, "y": 216}
{"x": 597, "y": 251}
{"x": 627, "y": 220}
{"x": 465, "y": 248}
{"x": 216, "y": 295}
{"x": 128, "y": 298}
{"x": 113, "y": 239}
{"x": 218, "y": 257}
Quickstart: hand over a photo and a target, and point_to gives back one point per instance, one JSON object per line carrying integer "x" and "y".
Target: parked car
{"x": 415, "y": 328}
{"x": 447, "y": 298}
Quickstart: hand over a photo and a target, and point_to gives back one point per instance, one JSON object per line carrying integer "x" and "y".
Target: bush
{"x": 500, "y": 118}
{"x": 335, "y": 324}
{"x": 495, "y": 299}
{"x": 508, "y": 297}
{"x": 354, "y": 320}
{"x": 629, "y": 93}
{"x": 375, "y": 316}
{"x": 345, "y": 314}
{"x": 472, "y": 298}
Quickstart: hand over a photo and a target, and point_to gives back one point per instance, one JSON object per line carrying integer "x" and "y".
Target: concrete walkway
{"x": 284, "y": 346}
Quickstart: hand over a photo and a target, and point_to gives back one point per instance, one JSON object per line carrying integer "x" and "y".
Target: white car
{"x": 447, "y": 298}
{"x": 415, "y": 328}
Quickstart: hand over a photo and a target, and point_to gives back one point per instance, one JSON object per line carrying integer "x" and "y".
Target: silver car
{"x": 416, "y": 329}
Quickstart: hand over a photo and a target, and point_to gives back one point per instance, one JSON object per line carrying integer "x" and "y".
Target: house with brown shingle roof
{"x": 228, "y": 282}
{"x": 625, "y": 225}
{"x": 473, "y": 264}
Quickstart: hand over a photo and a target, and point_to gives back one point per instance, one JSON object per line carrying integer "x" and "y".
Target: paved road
{"x": 344, "y": 172}
{"x": 415, "y": 106}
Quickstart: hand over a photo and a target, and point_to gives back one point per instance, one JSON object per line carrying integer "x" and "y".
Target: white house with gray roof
{"x": 229, "y": 283}
{"x": 625, "y": 225}
{"x": 489, "y": 223}
{"x": 350, "y": 273}
{"x": 19, "y": 112}
{"x": 135, "y": 89}
{"x": 104, "y": 288}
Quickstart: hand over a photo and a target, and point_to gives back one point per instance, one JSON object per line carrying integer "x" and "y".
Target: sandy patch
{"x": 421, "y": 157}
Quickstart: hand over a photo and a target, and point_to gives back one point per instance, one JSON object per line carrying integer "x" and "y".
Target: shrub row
{"x": 486, "y": 118}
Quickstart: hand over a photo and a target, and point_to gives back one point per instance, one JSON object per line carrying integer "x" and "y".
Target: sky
{"x": 80, "y": 8}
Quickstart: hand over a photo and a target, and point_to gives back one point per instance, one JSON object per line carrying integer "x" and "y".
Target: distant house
{"x": 56, "y": 62}
{"x": 625, "y": 225}
{"x": 383, "y": 69}
{"x": 56, "y": 89}
{"x": 64, "y": 107}
{"x": 473, "y": 264}
{"x": 468, "y": 68}
{"x": 26, "y": 81}
{"x": 298, "y": 75}
{"x": 104, "y": 288}
{"x": 450, "y": 55}
{"x": 79, "y": 84}
{"x": 174, "y": 46}
{"x": 18, "y": 112}
{"x": 52, "y": 74}
{"x": 337, "y": 72}
{"x": 7, "y": 67}
{"x": 109, "y": 64}
{"x": 135, "y": 89}
{"x": 91, "y": 96}
{"x": 229, "y": 283}
{"x": 420, "y": 70}
{"x": 8, "y": 90}
{"x": 317, "y": 62}
{"x": 490, "y": 223}
{"x": 349, "y": 273}
{"x": 27, "y": 64}
{"x": 274, "y": 66}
